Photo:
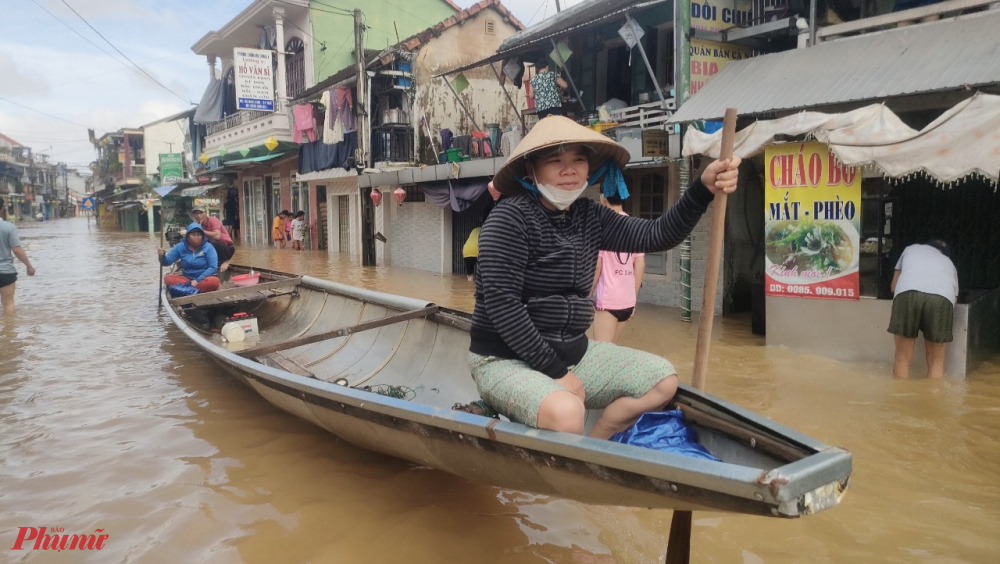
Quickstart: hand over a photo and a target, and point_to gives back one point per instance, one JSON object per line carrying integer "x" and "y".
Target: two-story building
{"x": 14, "y": 159}
{"x": 178, "y": 141}
{"x": 620, "y": 59}
{"x": 412, "y": 113}
{"x": 277, "y": 49}
{"x": 119, "y": 177}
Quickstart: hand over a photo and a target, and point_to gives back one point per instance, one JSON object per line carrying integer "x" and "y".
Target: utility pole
{"x": 682, "y": 70}
{"x": 558, "y": 8}
{"x": 362, "y": 88}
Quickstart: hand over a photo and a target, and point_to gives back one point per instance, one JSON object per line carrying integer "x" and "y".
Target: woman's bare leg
{"x": 619, "y": 329}
{"x": 624, "y": 411}
{"x": 605, "y": 325}
{"x": 562, "y": 411}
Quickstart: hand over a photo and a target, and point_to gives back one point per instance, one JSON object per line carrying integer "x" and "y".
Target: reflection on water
{"x": 112, "y": 420}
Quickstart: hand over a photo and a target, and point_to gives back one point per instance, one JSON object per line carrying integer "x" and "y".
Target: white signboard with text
{"x": 254, "y": 79}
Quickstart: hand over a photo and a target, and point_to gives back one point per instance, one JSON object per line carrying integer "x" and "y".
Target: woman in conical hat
{"x": 530, "y": 356}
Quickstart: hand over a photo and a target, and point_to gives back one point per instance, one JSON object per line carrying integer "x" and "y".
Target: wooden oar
{"x": 679, "y": 543}
{"x": 163, "y": 237}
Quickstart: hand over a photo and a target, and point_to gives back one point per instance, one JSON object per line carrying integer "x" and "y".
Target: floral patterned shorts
{"x": 608, "y": 372}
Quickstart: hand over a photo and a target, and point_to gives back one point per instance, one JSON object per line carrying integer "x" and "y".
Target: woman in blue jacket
{"x": 199, "y": 261}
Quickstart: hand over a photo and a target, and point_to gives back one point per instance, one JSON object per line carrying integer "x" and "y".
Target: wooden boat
{"x": 327, "y": 350}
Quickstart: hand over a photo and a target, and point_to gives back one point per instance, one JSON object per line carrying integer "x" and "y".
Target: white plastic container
{"x": 248, "y": 324}
{"x": 233, "y": 333}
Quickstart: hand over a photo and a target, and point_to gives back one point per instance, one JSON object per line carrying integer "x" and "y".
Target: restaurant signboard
{"x": 812, "y": 223}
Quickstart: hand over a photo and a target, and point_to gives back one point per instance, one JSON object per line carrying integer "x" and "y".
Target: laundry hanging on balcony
{"x": 318, "y": 155}
{"x": 339, "y": 118}
{"x": 210, "y": 108}
{"x": 303, "y": 115}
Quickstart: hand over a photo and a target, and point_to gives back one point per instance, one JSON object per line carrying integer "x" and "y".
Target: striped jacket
{"x": 536, "y": 268}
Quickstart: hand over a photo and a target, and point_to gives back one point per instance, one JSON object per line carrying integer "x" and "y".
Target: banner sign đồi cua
{"x": 812, "y": 223}
{"x": 254, "y": 79}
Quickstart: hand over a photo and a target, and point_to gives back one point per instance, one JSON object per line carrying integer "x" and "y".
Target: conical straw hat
{"x": 553, "y": 131}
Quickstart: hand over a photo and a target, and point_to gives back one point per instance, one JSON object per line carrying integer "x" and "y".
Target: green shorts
{"x": 607, "y": 372}
{"x": 915, "y": 311}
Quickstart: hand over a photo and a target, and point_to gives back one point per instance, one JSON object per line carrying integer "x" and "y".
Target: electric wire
{"x": 119, "y": 51}
{"x": 43, "y": 113}
{"x": 82, "y": 36}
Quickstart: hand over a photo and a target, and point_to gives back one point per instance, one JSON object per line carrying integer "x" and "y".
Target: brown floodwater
{"x": 110, "y": 419}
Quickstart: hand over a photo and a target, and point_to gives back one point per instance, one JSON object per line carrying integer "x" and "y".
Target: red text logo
{"x": 58, "y": 540}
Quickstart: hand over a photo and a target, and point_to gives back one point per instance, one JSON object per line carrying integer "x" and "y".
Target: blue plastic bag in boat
{"x": 181, "y": 290}
{"x": 666, "y": 431}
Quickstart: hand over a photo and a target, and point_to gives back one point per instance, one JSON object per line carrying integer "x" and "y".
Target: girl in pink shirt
{"x": 616, "y": 286}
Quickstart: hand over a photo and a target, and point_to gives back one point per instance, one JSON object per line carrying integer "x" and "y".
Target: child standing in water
{"x": 278, "y": 229}
{"x": 616, "y": 285}
{"x": 298, "y": 227}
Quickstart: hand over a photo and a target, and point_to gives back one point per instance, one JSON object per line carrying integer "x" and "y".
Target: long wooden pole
{"x": 163, "y": 237}
{"x": 679, "y": 543}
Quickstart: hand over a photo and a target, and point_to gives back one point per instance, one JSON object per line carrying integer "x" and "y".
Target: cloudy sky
{"x": 54, "y": 83}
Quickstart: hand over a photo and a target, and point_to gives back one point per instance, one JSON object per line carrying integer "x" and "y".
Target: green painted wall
{"x": 337, "y": 31}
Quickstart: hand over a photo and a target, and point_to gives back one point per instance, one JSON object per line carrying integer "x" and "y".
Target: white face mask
{"x": 561, "y": 199}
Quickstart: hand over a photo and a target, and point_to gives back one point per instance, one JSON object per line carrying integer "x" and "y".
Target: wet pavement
{"x": 111, "y": 420}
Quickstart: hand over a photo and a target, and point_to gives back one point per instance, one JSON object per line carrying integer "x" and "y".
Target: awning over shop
{"x": 940, "y": 56}
{"x": 199, "y": 191}
{"x": 253, "y": 160}
{"x": 328, "y": 174}
{"x": 105, "y": 194}
{"x": 435, "y": 173}
{"x": 961, "y": 142}
{"x": 236, "y": 165}
{"x": 122, "y": 206}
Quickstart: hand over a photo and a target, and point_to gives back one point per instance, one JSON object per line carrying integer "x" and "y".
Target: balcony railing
{"x": 235, "y": 120}
{"x": 392, "y": 143}
{"x": 644, "y": 115}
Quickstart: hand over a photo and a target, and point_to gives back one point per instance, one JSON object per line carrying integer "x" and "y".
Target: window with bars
{"x": 491, "y": 27}
{"x": 413, "y": 194}
{"x": 295, "y": 67}
{"x": 648, "y": 201}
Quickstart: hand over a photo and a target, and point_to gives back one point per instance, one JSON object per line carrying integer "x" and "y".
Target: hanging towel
{"x": 303, "y": 122}
{"x": 445, "y": 139}
{"x": 344, "y": 110}
{"x": 332, "y": 132}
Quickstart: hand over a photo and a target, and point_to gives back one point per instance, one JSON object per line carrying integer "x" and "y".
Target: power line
{"x": 332, "y": 7}
{"x": 92, "y": 76}
{"x": 540, "y": 6}
{"x": 123, "y": 54}
{"x": 84, "y": 37}
{"x": 43, "y": 113}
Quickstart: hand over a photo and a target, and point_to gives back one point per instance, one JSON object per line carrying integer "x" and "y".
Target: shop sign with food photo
{"x": 812, "y": 223}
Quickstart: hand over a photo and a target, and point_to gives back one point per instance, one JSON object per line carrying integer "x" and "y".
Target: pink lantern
{"x": 400, "y": 195}
{"x": 376, "y": 197}
{"x": 493, "y": 191}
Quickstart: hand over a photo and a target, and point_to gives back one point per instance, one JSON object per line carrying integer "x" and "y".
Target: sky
{"x": 54, "y": 83}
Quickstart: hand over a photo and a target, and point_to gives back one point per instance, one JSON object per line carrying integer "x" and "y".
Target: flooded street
{"x": 112, "y": 420}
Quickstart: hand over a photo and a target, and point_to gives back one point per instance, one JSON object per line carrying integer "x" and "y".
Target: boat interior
{"x": 417, "y": 352}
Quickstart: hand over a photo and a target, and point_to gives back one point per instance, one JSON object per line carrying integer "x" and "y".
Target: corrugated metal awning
{"x": 199, "y": 191}
{"x": 328, "y": 174}
{"x": 933, "y": 57}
